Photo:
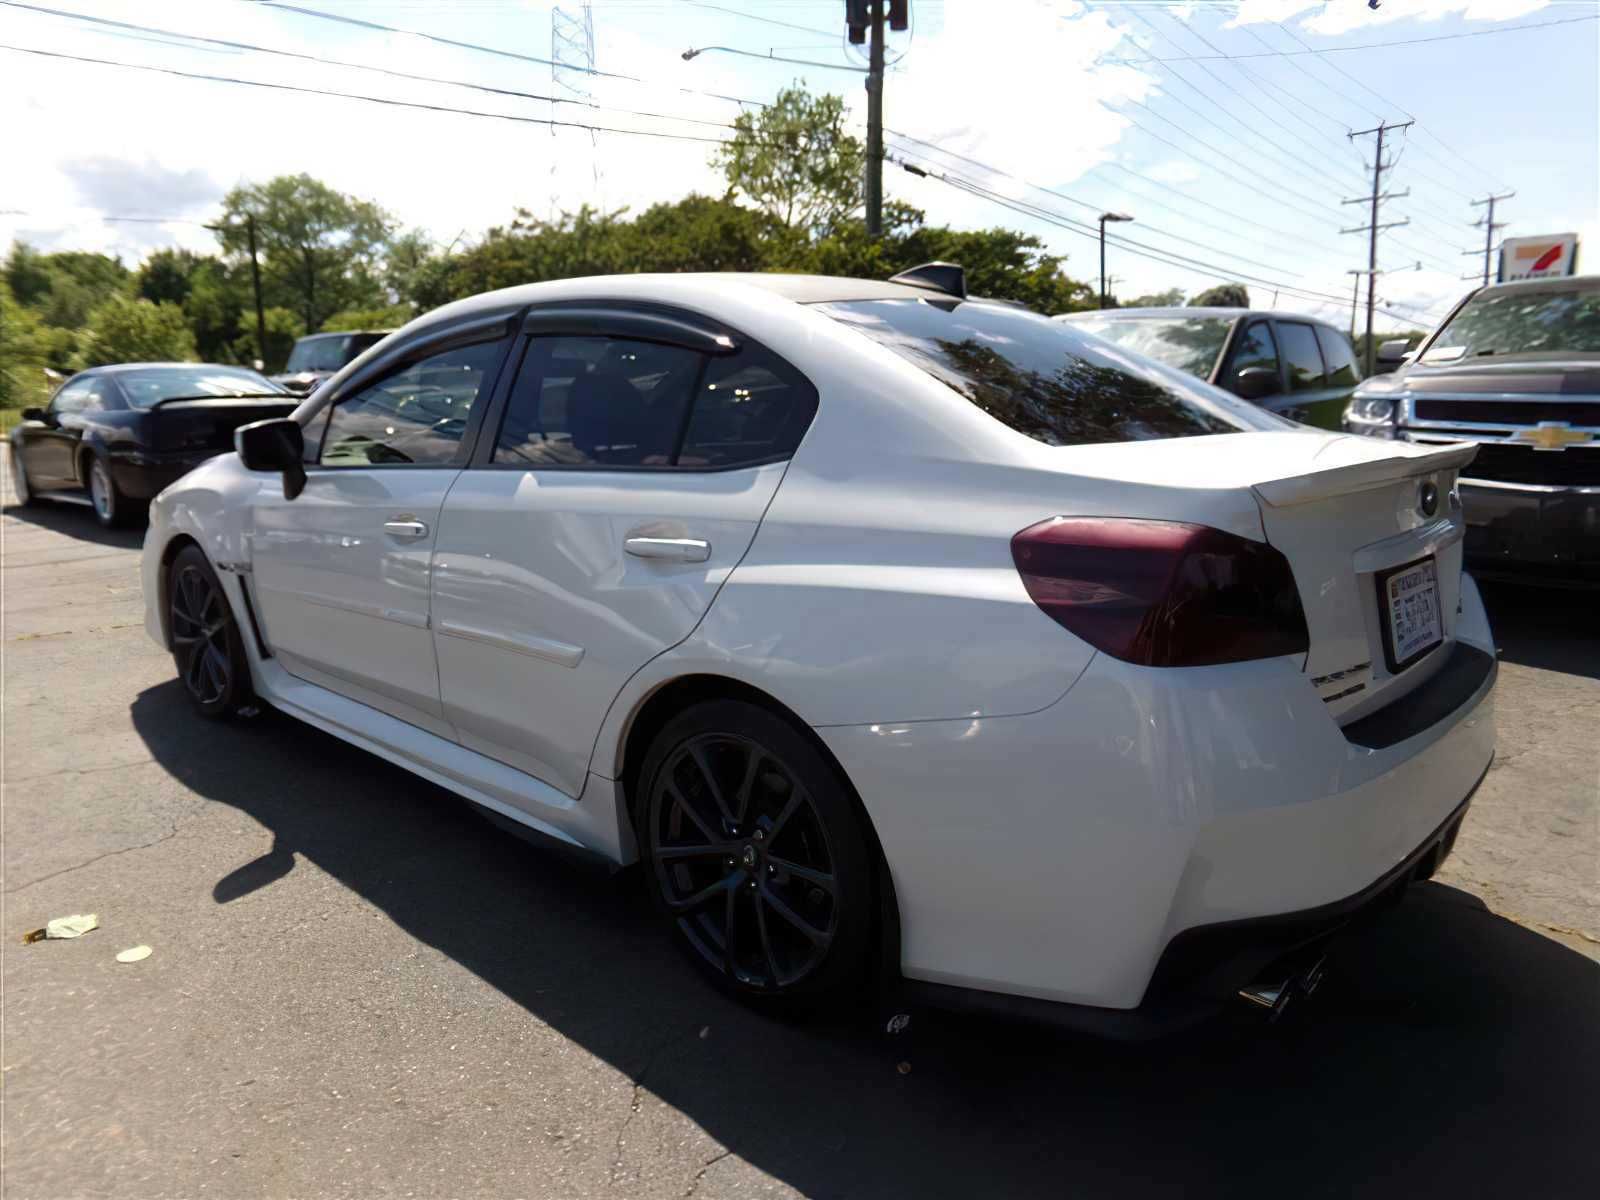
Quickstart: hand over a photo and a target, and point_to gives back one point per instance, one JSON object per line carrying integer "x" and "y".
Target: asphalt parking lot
{"x": 358, "y": 988}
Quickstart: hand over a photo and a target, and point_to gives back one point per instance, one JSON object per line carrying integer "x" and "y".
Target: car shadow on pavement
{"x": 1550, "y": 628}
{"x": 76, "y": 521}
{"x": 1451, "y": 1051}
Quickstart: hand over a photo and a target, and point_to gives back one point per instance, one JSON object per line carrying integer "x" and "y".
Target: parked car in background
{"x": 112, "y": 437}
{"x": 1515, "y": 368}
{"x": 895, "y": 632}
{"x": 1297, "y": 367}
{"x": 319, "y": 356}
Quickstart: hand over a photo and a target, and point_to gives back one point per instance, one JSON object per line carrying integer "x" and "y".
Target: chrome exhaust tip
{"x": 1275, "y": 996}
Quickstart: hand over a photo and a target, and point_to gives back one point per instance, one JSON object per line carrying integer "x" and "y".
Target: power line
{"x": 750, "y": 16}
{"x": 358, "y": 66}
{"x": 411, "y": 104}
{"x": 1442, "y": 37}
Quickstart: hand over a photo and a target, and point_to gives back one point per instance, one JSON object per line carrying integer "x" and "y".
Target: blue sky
{"x": 1235, "y": 162}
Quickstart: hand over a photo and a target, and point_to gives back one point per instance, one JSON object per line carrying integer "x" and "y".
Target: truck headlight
{"x": 1369, "y": 410}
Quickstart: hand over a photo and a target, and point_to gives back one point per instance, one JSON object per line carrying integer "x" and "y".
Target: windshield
{"x": 151, "y": 385}
{"x": 1522, "y": 321}
{"x": 1045, "y": 378}
{"x": 319, "y": 354}
{"x": 1188, "y": 343}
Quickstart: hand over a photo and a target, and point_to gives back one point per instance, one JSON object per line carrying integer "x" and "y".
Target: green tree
{"x": 1171, "y": 298}
{"x": 283, "y": 328}
{"x": 795, "y": 162}
{"x": 391, "y": 317}
{"x": 168, "y": 275}
{"x": 23, "y": 354}
{"x": 321, "y": 250}
{"x": 1224, "y": 295}
{"x": 127, "y": 330}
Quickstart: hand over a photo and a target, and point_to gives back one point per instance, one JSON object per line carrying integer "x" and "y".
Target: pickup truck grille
{"x": 1576, "y": 467}
{"x": 1509, "y": 413}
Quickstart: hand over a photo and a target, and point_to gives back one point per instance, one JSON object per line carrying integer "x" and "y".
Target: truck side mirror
{"x": 1393, "y": 351}
{"x": 1255, "y": 383}
{"x": 275, "y": 445}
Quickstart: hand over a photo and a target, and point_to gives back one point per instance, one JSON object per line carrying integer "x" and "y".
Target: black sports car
{"x": 114, "y": 436}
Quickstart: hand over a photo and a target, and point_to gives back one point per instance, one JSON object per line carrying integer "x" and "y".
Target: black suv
{"x": 322, "y": 355}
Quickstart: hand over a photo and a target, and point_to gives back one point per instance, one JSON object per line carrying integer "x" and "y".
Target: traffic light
{"x": 899, "y": 15}
{"x": 856, "y": 20}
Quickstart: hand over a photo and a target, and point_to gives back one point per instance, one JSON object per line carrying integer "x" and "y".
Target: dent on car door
{"x": 341, "y": 573}
{"x": 623, "y": 484}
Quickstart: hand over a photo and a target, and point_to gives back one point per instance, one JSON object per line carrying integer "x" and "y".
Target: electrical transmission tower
{"x": 571, "y": 69}
{"x": 1489, "y": 226}
{"x": 1372, "y": 227}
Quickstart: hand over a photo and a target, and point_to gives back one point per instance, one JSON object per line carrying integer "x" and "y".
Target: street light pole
{"x": 1104, "y": 217}
{"x": 875, "y": 124}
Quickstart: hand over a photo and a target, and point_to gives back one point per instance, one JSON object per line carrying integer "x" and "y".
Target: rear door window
{"x": 1300, "y": 354}
{"x": 1340, "y": 357}
{"x": 1043, "y": 378}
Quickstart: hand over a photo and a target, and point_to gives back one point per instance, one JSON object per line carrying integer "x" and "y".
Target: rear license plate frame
{"x": 1386, "y": 614}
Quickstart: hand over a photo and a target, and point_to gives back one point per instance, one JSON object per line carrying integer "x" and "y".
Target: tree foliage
{"x": 321, "y": 251}
{"x": 795, "y": 162}
{"x": 123, "y": 329}
{"x": 1224, "y": 295}
{"x": 1171, "y": 298}
{"x": 23, "y": 353}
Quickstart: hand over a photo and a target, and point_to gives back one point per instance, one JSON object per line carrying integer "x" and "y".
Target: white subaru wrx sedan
{"x": 890, "y": 630}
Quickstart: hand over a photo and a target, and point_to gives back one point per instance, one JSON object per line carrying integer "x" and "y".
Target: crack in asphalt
{"x": 166, "y": 837}
{"x": 694, "y": 1183}
{"x": 138, "y": 762}
{"x": 634, "y": 1106}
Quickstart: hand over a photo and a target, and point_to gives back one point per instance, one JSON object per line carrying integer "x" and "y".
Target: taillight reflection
{"x": 1162, "y": 593}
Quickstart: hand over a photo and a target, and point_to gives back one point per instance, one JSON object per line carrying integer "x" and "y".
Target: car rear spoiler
{"x": 1362, "y": 476}
{"x": 284, "y": 397}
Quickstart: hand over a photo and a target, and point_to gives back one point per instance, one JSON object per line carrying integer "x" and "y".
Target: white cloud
{"x": 1331, "y": 20}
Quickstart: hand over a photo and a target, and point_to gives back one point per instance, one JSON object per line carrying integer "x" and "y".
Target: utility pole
{"x": 1355, "y": 291}
{"x": 865, "y": 20}
{"x": 875, "y": 125}
{"x": 1104, "y": 217}
{"x": 1372, "y": 228}
{"x": 1489, "y": 226}
{"x": 255, "y": 279}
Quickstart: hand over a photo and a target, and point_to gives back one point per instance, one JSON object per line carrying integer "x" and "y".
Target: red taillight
{"x": 1162, "y": 593}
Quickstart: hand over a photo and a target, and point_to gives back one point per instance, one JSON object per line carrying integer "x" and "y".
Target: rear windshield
{"x": 1043, "y": 378}
{"x": 1188, "y": 343}
{"x": 1522, "y": 321}
{"x": 321, "y": 354}
{"x": 151, "y": 385}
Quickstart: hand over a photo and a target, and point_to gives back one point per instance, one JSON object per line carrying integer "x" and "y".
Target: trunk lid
{"x": 1344, "y": 510}
{"x": 207, "y": 423}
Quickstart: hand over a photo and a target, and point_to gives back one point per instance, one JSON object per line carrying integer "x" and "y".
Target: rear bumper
{"x": 140, "y": 475}
{"x": 1203, "y": 969}
{"x": 1530, "y": 533}
{"x": 1061, "y": 855}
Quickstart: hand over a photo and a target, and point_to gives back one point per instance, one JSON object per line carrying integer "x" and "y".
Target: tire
{"x": 19, "y": 476}
{"x": 111, "y": 507}
{"x": 755, "y": 853}
{"x": 207, "y": 645}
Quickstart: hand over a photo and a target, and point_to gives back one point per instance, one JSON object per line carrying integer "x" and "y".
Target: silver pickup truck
{"x": 1516, "y": 368}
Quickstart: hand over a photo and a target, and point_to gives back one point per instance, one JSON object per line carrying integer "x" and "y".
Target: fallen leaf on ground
{"x": 135, "y": 954}
{"x": 64, "y": 927}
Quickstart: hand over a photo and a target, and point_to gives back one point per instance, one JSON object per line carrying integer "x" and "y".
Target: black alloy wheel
{"x": 756, "y": 854}
{"x": 205, "y": 640}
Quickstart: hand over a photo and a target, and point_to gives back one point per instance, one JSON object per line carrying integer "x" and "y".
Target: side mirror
{"x": 275, "y": 445}
{"x": 1255, "y": 383}
{"x": 33, "y": 414}
{"x": 1393, "y": 351}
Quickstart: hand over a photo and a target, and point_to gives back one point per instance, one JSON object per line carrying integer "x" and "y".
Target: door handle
{"x": 689, "y": 550}
{"x": 405, "y": 527}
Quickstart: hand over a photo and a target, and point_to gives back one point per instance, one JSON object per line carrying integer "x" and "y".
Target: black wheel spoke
{"x": 767, "y": 955}
{"x": 711, "y": 850}
{"x": 796, "y": 799}
{"x": 741, "y": 798}
{"x": 817, "y": 937}
{"x": 711, "y": 785}
{"x": 730, "y": 932}
{"x": 682, "y": 803}
{"x": 811, "y": 875}
{"x": 690, "y": 903}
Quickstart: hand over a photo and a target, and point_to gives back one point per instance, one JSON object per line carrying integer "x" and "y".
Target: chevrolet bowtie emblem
{"x": 1551, "y": 435}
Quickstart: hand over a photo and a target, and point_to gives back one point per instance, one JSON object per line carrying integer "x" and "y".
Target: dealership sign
{"x": 1538, "y": 257}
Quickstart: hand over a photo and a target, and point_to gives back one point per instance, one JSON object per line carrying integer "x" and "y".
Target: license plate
{"x": 1412, "y": 626}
